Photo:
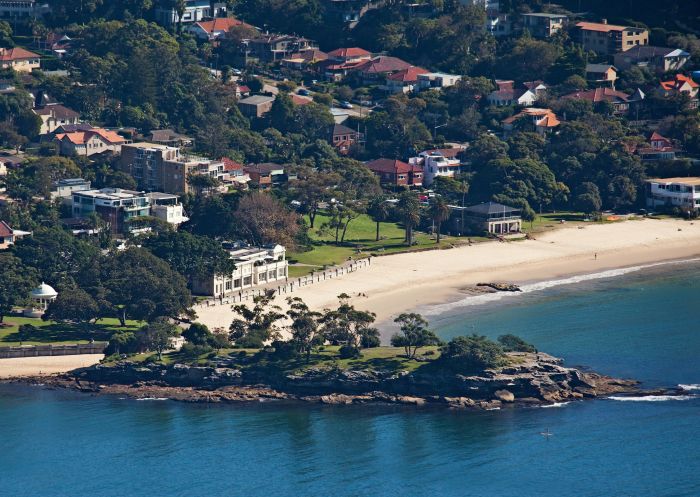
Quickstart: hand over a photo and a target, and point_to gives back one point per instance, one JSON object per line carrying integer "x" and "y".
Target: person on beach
{"x": 595, "y": 256}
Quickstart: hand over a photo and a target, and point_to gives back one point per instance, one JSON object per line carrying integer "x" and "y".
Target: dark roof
{"x": 599, "y": 67}
{"x": 490, "y": 208}
{"x": 5, "y": 229}
{"x": 383, "y": 64}
{"x": 391, "y": 166}
{"x": 339, "y": 129}
{"x": 263, "y": 168}
{"x": 166, "y": 135}
{"x": 56, "y": 110}
{"x": 645, "y": 51}
{"x": 72, "y": 128}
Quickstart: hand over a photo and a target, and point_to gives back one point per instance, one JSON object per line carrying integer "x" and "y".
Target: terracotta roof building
{"x": 608, "y": 39}
{"x": 681, "y": 84}
{"x": 381, "y": 67}
{"x": 405, "y": 80}
{"x": 90, "y": 142}
{"x": 543, "y": 120}
{"x": 216, "y": 28}
{"x": 396, "y": 173}
{"x": 618, "y": 99}
{"x": 19, "y": 59}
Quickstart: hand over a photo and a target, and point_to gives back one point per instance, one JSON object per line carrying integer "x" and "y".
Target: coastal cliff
{"x": 529, "y": 379}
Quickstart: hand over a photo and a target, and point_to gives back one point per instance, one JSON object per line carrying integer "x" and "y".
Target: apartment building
{"x": 541, "y": 25}
{"x": 683, "y": 193}
{"x": 609, "y": 39}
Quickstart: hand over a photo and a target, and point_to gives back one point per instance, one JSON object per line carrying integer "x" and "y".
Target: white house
{"x": 439, "y": 162}
{"x": 167, "y": 207}
{"x": 254, "y": 267}
{"x": 683, "y": 193}
{"x": 436, "y": 80}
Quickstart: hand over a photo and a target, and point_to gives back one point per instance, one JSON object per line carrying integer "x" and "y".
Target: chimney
{"x": 604, "y": 21}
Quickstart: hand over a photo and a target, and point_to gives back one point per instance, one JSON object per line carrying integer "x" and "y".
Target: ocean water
{"x": 643, "y": 324}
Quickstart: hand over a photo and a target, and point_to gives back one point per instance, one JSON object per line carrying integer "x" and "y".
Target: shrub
{"x": 370, "y": 340}
{"x": 349, "y": 352}
{"x": 283, "y": 350}
{"x": 192, "y": 351}
{"x": 470, "y": 354}
{"x": 512, "y": 343}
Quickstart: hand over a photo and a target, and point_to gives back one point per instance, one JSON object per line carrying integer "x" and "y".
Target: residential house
{"x": 256, "y": 106}
{"x": 488, "y": 217}
{"x": 8, "y": 236}
{"x": 214, "y": 29}
{"x": 507, "y": 95}
{"x": 351, "y": 55}
{"x": 22, "y": 10}
{"x": 342, "y": 61}
{"x": 272, "y": 48}
{"x": 350, "y": 11}
{"x": 162, "y": 168}
{"x": 404, "y": 81}
{"x": 657, "y": 148}
{"x": 90, "y": 142}
{"x": 543, "y": 25}
{"x": 265, "y": 175}
{"x": 619, "y": 100}
{"x": 681, "y": 84}
{"x": 305, "y": 59}
{"x": 19, "y": 59}
{"x": 543, "y": 121}
{"x": 115, "y": 206}
{"x": 255, "y": 266}
{"x": 378, "y": 68}
{"x": 195, "y": 11}
{"x": 609, "y": 39}
{"x": 237, "y": 176}
{"x": 436, "y": 80}
{"x": 170, "y": 138}
{"x": 167, "y": 207}
{"x": 658, "y": 59}
{"x": 682, "y": 193}
{"x": 300, "y": 99}
{"x": 601, "y": 74}
{"x": 396, "y": 173}
{"x": 242, "y": 91}
{"x": 64, "y": 188}
{"x": 443, "y": 162}
{"x": 55, "y": 115}
{"x": 343, "y": 138}
{"x": 499, "y": 25}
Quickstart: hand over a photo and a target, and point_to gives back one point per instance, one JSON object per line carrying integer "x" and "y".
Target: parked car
{"x": 236, "y": 72}
{"x": 304, "y": 92}
{"x": 345, "y": 104}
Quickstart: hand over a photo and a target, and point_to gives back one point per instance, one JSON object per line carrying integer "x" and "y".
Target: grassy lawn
{"x": 60, "y": 333}
{"x": 359, "y": 242}
{"x": 378, "y": 358}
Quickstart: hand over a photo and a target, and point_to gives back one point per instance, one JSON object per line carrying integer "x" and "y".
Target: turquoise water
{"x": 642, "y": 325}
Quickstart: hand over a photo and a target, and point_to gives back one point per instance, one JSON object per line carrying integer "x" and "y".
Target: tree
{"x": 258, "y": 325}
{"x": 158, "y": 335}
{"x": 414, "y": 334}
{"x": 512, "y": 343}
{"x": 409, "y": 210}
{"x": 469, "y": 354}
{"x": 347, "y": 325}
{"x": 141, "y": 286}
{"x": 439, "y": 212}
{"x": 192, "y": 256}
{"x": 588, "y": 200}
{"x": 16, "y": 281}
{"x": 379, "y": 211}
{"x": 72, "y": 304}
{"x": 306, "y": 332}
{"x": 197, "y": 334}
{"x": 313, "y": 189}
{"x": 122, "y": 342}
{"x": 261, "y": 219}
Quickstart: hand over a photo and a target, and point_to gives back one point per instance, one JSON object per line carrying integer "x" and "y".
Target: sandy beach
{"x": 396, "y": 283}
{"x": 45, "y": 365}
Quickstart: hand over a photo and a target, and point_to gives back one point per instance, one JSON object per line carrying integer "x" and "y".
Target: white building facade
{"x": 683, "y": 193}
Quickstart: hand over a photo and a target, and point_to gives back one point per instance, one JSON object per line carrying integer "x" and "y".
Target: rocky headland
{"x": 530, "y": 379}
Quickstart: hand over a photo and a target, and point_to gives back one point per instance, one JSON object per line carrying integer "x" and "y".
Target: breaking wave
{"x": 689, "y": 387}
{"x": 652, "y": 398}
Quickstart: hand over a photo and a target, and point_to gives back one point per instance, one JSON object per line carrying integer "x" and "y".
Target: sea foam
{"x": 485, "y": 298}
{"x": 689, "y": 387}
{"x": 653, "y": 398}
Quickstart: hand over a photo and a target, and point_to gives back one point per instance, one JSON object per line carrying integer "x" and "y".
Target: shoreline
{"x": 44, "y": 366}
{"x": 418, "y": 280}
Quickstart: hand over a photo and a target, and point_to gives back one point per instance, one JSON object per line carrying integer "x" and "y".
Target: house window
{"x": 248, "y": 280}
{"x": 228, "y": 285}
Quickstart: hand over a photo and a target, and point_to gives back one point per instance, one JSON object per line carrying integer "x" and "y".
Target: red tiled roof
{"x": 656, "y": 136}
{"x": 599, "y": 95}
{"x": 5, "y": 229}
{"x": 80, "y": 137}
{"x": 220, "y": 24}
{"x": 243, "y": 89}
{"x": 409, "y": 75}
{"x": 299, "y": 100}
{"x": 391, "y": 166}
{"x": 678, "y": 81}
{"x": 543, "y": 117}
{"x": 231, "y": 165}
{"x": 349, "y": 52}
{"x": 17, "y": 53}
{"x": 383, "y": 64}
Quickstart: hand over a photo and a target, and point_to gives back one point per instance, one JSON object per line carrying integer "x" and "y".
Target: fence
{"x": 52, "y": 350}
{"x": 289, "y": 285}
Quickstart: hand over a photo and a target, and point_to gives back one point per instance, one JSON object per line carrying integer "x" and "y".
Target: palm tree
{"x": 409, "y": 208}
{"x": 378, "y": 211}
{"x": 439, "y": 212}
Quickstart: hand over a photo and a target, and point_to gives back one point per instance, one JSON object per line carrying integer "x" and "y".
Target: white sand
{"x": 45, "y": 365}
{"x": 401, "y": 282}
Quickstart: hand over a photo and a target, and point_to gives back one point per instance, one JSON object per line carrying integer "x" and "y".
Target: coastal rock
{"x": 504, "y": 396}
{"x": 501, "y": 287}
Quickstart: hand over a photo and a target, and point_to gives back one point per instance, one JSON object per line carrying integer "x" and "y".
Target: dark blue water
{"x": 643, "y": 325}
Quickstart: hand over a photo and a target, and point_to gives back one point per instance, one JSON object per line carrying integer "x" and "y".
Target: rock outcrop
{"x": 529, "y": 379}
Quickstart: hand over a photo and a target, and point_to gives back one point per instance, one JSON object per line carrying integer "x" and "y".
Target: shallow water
{"x": 642, "y": 325}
